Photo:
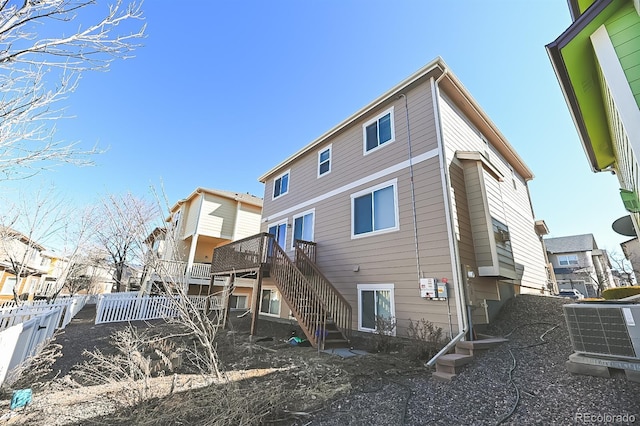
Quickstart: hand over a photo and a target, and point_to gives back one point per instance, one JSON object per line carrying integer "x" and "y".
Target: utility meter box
{"x": 428, "y": 288}
{"x": 443, "y": 292}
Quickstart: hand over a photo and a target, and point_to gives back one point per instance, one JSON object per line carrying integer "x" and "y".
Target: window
{"x": 374, "y": 210}
{"x": 270, "y": 302}
{"x": 375, "y": 301}
{"x": 9, "y": 285}
{"x": 237, "y": 302}
{"x": 281, "y": 185}
{"x": 487, "y": 150}
{"x": 378, "y": 131}
{"x": 324, "y": 161}
{"x": 568, "y": 260}
{"x": 279, "y": 231}
{"x": 303, "y": 227}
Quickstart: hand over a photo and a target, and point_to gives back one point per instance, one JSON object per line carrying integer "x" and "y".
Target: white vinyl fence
{"x": 12, "y": 314}
{"x": 22, "y": 340}
{"x": 24, "y": 328}
{"x": 141, "y": 308}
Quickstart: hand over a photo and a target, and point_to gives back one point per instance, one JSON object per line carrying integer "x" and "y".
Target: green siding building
{"x": 597, "y": 62}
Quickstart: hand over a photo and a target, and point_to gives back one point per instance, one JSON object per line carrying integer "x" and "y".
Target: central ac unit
{"x": 602, "y": 329}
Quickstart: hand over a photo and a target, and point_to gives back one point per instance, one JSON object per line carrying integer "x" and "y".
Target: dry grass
{"x": 261, "y": 383}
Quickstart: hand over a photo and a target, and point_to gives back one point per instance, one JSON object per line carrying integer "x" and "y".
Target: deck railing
{"x": 338, "y": 309}
{"x": 178, "y": 270}
{"x": 248, "y": 253}
{"x": 307, "y": 247}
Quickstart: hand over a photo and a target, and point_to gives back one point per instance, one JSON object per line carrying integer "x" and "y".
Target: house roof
{"x": 237, "y": 196}
{"x": 574, "y": 63}
{"x": 571, "y": 244}
{"x": 454, "y": 88}
{"x": 6, "y": 231}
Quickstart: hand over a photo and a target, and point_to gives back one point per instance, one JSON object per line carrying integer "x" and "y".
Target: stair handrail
{"x": 294, "y": 286}
{"x": 341, "y": 311}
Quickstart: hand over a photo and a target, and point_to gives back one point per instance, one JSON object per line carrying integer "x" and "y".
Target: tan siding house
{"x": 206, "y": 219}
{"x": 419, "y": 184}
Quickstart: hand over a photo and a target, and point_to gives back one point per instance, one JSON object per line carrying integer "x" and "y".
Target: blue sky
{"x": 222, "y": 91}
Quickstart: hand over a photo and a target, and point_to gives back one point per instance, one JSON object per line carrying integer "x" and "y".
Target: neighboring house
{"x": 198, "y": 224}
{"x": 597, "y": 62}
{"x": 51, "y": 281}
{"x": 22, "y": 264}
{"x": 579, "y": 264}
{"x": 631, "y": 250}
{"x": 415, "y": 192}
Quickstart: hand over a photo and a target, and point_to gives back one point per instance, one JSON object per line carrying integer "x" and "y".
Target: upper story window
{"x": 378, "y": 131}
{"x": 303, "y": 227}
{"x": 568, "y": 260}
{"x": 281, "y": 185}
{"x": 324, "y": 161}
{"x": 514, "y": 178}
{"x": 375, "y": 210}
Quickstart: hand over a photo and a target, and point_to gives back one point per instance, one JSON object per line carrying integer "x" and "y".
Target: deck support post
{"x": 256, "y": 303}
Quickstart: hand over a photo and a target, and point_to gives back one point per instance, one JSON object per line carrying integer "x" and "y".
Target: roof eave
{"x": 562, "y": 73}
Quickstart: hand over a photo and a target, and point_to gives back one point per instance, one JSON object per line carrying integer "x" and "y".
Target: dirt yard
{"x": 269, "y": 381}
{"x": 287, "y": 383}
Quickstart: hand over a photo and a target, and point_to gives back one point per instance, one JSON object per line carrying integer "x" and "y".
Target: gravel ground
{"x": 482, "y": 393}
{"x": 382, "y": 389}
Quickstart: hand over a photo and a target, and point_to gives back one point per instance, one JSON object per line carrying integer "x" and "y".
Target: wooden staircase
{"x": 448, "y": 366}
{"x": 322, "y": 313}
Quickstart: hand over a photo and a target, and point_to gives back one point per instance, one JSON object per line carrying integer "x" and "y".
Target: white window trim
{"x": 280, "y": 307}
{"x": 273, "y": 196}
{"x": 293, "y": 225}
{"x": 365, "y": 287}
{"x": 330, "y": 148}
{"x": 373, "y": 120}
{"x": 566, "y": 257}
{"x": 286, "y": 226}
{"x": 394, "y": 183}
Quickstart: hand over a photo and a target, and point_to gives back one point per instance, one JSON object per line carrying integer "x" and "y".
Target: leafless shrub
{"x": 202, "y": 328}
{"x": 426, "y": 339}
{"x": 132, "y": 364}
{"x": 385, "y": 330}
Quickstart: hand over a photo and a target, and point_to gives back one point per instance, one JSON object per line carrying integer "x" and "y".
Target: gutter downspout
{"x": 461, "y": 302}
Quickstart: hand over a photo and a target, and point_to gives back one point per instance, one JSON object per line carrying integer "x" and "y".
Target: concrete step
{"x": 454, "y": 360}
{"x": 476, "y": 347}
{"x": 443, "y": 377}
{"x": 452, "y": 363}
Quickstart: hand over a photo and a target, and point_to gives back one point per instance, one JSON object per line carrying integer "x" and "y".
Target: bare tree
{"x": 25, "y": 226}
{"x": 46, "y": 46}
{"x": 122, "y": 226}
{"x": 624, "y": 265}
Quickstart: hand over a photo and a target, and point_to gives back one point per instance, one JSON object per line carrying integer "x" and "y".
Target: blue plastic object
{"x": 20, "y": 398}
